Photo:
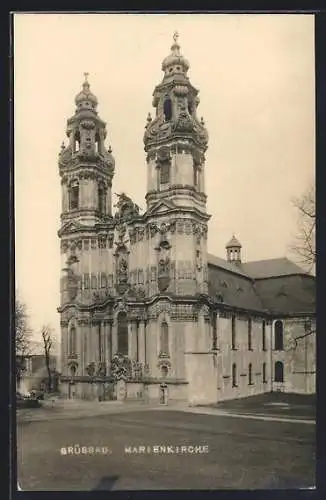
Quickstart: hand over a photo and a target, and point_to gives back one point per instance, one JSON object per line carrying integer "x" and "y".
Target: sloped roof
{"x": 288, "y": 294}
{"x": 233, "y": 289}
{"x": 275, "y": 285}
{"x": 271, "y": 267}
{"x": 224, "y": 264}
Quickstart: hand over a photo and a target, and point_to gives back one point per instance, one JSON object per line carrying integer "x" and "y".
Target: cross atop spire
{"x": 175, "y": 37}
{"x": 86, "y": 75}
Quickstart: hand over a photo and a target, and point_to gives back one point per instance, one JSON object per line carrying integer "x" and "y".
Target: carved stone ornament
{"x": 121, "y": 367}
{"x": 87, "y": 125}
{"x": 153, "y": 230}
{"x": 184, "y": 123}
{"x": 163, "y": 361}
{"x": 101, "y": 370}
{"x": 90, "y": 369}
{"x": 127, "y": 209}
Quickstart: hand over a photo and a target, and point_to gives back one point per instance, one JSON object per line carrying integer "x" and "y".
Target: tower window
{"x": 86, "y": 281}
{"x": 278, "y": 336}
{"x": 94, "y": 281}
{"x": 103, "y": 280}
{"x": 165, "y": 173}
{"x": 77, "y": 142}
{"x": 195, "y": 176}
{"x": 167, "y": 108}
{"x": 72, "y": 340}
{"x": 190, "y": 108}
{"x": 279, "y": 371}
{"x": 164, "y": 338}
{"x": 74, "y": 197}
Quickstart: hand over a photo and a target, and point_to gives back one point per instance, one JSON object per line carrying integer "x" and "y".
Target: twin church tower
{"x": 134, "y": 285}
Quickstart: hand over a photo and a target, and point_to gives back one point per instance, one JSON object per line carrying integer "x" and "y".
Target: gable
{"x": 161, "y": 207}
{"x": 69, "y": 227}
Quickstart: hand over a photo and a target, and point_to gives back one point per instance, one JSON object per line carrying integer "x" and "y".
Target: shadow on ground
{"x": 106, "y": 483}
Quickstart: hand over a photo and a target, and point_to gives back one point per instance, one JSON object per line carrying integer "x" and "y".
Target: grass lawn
{"x": 242, "y": 453}
{"x": 280, "y": 404}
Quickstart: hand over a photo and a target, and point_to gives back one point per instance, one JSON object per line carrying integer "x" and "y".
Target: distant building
{"x": 35, "y": 375}
{"x": 145, "y": 311}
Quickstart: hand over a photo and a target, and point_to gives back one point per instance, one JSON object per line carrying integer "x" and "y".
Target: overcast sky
{"x": 255, "y": 74}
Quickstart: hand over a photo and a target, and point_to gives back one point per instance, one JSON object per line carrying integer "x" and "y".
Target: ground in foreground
{"x": 242, "y": 453}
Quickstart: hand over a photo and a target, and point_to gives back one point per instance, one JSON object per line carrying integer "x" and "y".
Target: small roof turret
{"x": 234, "y": 243}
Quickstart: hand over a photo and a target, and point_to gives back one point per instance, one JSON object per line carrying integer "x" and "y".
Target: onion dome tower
{"x": 86, "y": 167}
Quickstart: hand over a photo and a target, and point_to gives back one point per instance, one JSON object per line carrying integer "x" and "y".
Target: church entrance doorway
{"x": 163, "y": 394}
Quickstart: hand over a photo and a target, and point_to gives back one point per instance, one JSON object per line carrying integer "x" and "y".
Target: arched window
{"x": 234, "y": 375}
{"x": 164, "y": 371}
{"x": 190, "y": 108}
{"x": 77, "y": 142}
{"x": 264, "y": 335}
{"x": 165, "y": 173}
{"x": 164, "y": 338}
{"x": 72, "y": 341}
{"x": 264, "y": 374}
{"x": 250, "y": 374}
{"x": 74, "y": 196}
{"x": 72, "y": 371}
{"x": 233, "y": 332}
{"x": 167, "y": 108}
{"x": 214, "y": 330}
{"x": 278, "y": 336}
{"x": 123, "y": 333}
{"x": 279, "y": 371}
{"x": 101, "y": 199}
{"x": 249, "y": 334}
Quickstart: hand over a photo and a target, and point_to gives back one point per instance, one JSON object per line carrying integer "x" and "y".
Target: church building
{"x": 146, "y": 312}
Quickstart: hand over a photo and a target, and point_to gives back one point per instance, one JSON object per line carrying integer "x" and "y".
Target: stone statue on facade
{"x": 126, "y": 207}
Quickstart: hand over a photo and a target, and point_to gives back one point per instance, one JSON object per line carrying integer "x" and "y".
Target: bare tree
{"x": 22, "y": 338}
{"x": 48, "y": 341}
{"x": 305, "y": 246}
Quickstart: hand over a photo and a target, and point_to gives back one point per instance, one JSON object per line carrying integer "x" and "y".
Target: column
{"x": 130, "y": 342}
{"x": 85, "y": 334}
{"x": 109, "y": 200}
{"x": 141, "y": 342}
{"x": 95, "y": 349}
{"x": 108, "y": 334}
{"x": 105, "y": 342}
{"x": 114, "y": 330}
{"x": 64, "y": 354}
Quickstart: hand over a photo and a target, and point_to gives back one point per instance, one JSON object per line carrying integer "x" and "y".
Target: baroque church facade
{"x": 146, "y": 312}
